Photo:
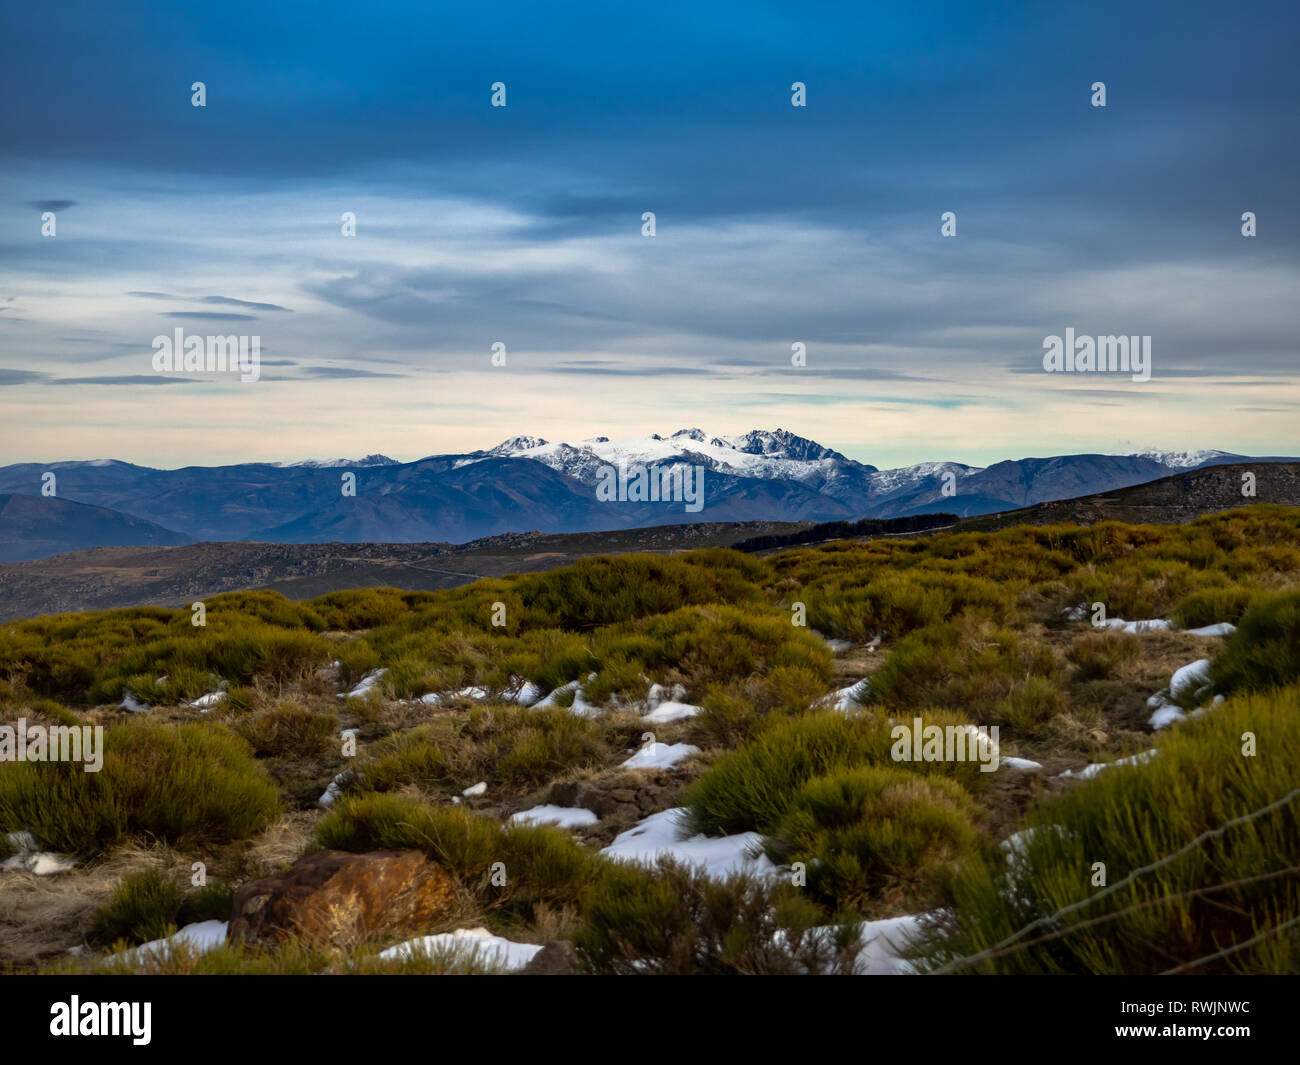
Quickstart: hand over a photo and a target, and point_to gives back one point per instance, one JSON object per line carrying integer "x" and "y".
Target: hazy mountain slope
{"x": 33, "y": 526}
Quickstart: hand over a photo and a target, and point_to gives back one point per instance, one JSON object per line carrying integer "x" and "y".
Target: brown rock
{"x": 557, "y": 958}
{"x": 338, "y": 899}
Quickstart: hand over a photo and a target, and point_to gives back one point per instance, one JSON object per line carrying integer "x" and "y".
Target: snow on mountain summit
{"x": 1185, "y": 458}
{"x": 769, "y": 455}
{"x": 330, "y": 464}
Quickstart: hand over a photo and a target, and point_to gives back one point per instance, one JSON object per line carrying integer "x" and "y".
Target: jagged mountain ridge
{"x": 527, "y": 483}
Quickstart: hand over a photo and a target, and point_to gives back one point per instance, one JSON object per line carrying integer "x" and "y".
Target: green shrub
{"x": 150, "y": 904}
{"x": 540, "y": 864}
{"x": 504, "y": 745}
{"x": 142, "y": 907}
{"x": 290, "y": 730}
{"x": 872, "y": 833}
{"x": 1213, "y": 605}
{"x": 672, "y": 919}
{"x": 1130, "y": 818}
{"x": 1264, "y": 652}
{"x": 192, "y": 783}
{"x": 969, "y": 664}
{"x": 603, "y": 591}
{"x": 751, "y": 787}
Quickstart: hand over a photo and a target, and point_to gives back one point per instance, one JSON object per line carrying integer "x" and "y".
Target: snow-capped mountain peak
{"x": 516, "y": 443}
{"x": 330, "y": 464}
{"x": 1185, "y": 458}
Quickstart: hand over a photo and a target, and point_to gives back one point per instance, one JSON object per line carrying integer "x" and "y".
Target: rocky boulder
{"x": 337, "y": 899}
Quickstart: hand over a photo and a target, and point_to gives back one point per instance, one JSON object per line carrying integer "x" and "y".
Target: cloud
{"x": 343, "y": 371}
{"x": 51, "y": 205}
{"x": 124, "y": 379}
{"x": 246, "y": 303}
{"x": 212, "y": 316}
{"x": 21, "y": 377}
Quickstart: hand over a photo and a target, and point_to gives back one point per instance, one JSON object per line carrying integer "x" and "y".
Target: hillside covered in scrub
{"x": 684, "y": 764}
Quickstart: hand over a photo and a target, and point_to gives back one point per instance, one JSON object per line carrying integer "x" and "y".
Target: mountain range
{"x": 524, "y": 484}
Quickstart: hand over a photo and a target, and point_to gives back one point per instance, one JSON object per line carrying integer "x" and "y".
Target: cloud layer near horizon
{"x": 522, "y": 225}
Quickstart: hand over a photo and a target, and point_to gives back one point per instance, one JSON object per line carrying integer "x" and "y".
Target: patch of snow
{"x": 1223, "y": 628}
{"x": 1190, "y": 679}
{"x": 718, "y": 857}
{"x": 671, "y": 711}
{"x": 883, "y": 943}
{"x": 1166, "y": 715}
{"x": 41, "y": 863}
{"x": 846, "y": 700}
{"x": 435, "y": 699}
{"x": 659, "y": 694}
{"x": 1090, "y": 771}
{"x": 199, "y": 938}
{"x": 131, "y": 704}
{"x": 478, "y": 943}
{"x": 528, "y": 694}
{"x": 563, "y": 816}
{"x": 660, "y": 756}
{"x": 836, "y": 645}
{"x": 579, "y": 706}
{"x": 335, "y": 788}
{"x": 368, "y": 682}
{"x": 1136, "y": 627}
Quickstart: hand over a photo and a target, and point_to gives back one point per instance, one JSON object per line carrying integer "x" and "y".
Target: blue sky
{"x": 522, "y": 225}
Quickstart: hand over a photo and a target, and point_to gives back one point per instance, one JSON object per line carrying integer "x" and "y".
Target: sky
{"x": 522, "y": 225}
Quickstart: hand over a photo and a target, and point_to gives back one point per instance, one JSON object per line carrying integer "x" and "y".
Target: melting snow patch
{"x": 563, "y": 816}
{"x": 41, "y": 863}
{"x": 335, "y": 787}
{"x": 1223, "y": 628}
{"x": 1165, "y": 715}
{"x": 660, "y": 756}
{"x": 435, "y": 699}
{"x": 579, "y": 706}
{"x": 846, "y": 700}
{"x": 1190, "y": 679}
{"x": 207, "y": 702}
{"x": 882, "y": 944}
{"x": 837, "y": 646}
{"x": 199, "y": 938}
{"x": 131, "y": 704}
{"x": 671, "y": 711}
{"x": 1090, "y": 771}
{"x": 527, "y": 694}
{"x": 658, "y": 835}
{"x": 477, "y": 943}
{"x": 1136, "y": 627}
{"x": 369, "y": 681}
